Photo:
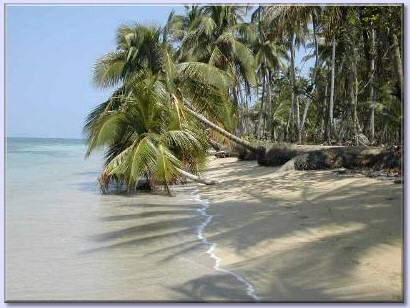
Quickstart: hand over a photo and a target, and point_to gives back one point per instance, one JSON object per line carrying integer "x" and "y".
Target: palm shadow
{"x": 361, "y": 219}
{"x": 306, "y": 270}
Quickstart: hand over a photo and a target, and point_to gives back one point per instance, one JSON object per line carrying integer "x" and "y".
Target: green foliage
{"x": 144, "y": 127}
{"x": 237, "y": 74}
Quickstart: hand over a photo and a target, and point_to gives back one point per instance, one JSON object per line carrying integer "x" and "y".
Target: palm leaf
{"x": 109, "y": 69}
{"x": 166, "y": 168}
{"x": 104, "y": 131}
{"x": 204, "y": 73}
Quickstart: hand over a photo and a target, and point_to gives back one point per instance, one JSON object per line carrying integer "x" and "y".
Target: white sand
{"x": 307, "y": 236}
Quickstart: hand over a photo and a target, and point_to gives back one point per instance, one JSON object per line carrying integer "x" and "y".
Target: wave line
{"x": 250, "y": 290}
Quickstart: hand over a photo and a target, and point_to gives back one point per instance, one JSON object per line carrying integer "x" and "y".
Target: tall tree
{"x": 292, "y": 22}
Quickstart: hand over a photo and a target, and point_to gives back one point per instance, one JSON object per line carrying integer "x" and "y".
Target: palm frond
{"x": 166, "y": 168}
{"x": 204, "y": 73}
{"x": 109, "y": 69}
{"x": 104, "y": 130}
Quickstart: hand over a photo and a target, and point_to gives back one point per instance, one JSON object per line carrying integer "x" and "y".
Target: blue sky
{"x": 50, "y": 54}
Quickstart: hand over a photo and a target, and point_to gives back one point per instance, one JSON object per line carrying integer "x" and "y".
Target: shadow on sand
{"x": 319, "y": 269}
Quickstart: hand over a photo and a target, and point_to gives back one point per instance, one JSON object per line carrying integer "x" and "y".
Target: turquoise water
{"x": 65, "y": 241}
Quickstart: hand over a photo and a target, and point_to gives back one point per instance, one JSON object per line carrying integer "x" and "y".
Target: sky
{"x": 50, "y": 53}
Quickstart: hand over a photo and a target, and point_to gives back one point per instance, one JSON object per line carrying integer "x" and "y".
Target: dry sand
{"x": 307, "y": 236}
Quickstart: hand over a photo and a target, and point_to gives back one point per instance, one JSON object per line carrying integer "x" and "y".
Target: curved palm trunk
{"x": 228, "y": 135}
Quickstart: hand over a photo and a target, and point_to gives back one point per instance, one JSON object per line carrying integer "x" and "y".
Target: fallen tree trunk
{"x": 318, "y": 157}
{"x": 196, "y": 178}
{"x": 244, "y": 143}
{"x": 222, "y": 154}
{"x": 216, "y": 145}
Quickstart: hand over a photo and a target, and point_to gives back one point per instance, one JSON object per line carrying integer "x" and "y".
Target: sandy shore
{"x": 307, "y": 236}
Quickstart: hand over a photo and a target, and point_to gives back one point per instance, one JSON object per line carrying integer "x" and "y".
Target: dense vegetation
{"x": 229, "y": 74}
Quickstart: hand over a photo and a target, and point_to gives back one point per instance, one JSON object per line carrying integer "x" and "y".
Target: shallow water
{"x": 65, "y": 241}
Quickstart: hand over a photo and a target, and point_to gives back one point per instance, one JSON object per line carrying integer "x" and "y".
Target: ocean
{"x": 65, "y": 241}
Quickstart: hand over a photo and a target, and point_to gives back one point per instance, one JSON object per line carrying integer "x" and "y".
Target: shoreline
{"x": 218, "y": 262}
{"x": 306, "y": 235}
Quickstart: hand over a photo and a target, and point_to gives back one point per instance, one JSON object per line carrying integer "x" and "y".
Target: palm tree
{"x": 217, "y": 35}
{"x": 150, "y": 124}
{"x": 146, "y": 137}
{"x": 268, "y": 57}
{"x": 292, "y": 23}
{"x": 331, "y": 20}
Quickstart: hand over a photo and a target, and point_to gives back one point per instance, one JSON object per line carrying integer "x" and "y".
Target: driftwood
{"x": 325, "y": 157}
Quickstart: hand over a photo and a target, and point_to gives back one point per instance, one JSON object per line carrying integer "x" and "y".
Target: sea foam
{"x": 250, "y": 290}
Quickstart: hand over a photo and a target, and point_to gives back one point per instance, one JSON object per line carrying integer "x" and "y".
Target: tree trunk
{"x": 305, "y": 112}
{"x": 239, "y": 129}
{"x": 268, "y": 105}
{"x": 353, "y": 82}
{"x": 261, "y": 112}
{"x": 196, "y": 178}
{"x": 398, "y": 60}
{"x": 332, "y": 88}
{"x": 245, "y": 113}
{"x": 399, "y": 64}
{"x": 247, "y": 145}
{"x": 316, "y": 51}
{"x": 215, "y": 144}
{"x": 327, "y": 126}
{"x": 288, "y": 126}
{"x": 298, "y": 124}
{"x": 295, "y": 104}
{"x": 329, "y": 157}
{"x": 372, "y": 77}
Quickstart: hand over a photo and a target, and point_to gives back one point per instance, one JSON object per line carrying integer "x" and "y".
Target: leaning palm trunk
{"x": 196, "y": 178}
{"x": 247, "y": 145}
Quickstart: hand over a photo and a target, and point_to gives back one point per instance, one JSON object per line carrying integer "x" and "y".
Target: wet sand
{"x": 140, "y": 248}
{"x": 306, "y": 236}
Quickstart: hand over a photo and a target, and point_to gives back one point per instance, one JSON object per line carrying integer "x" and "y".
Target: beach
{"x": 258, "y": 235}
{"x": 65, "y": 241}
{"x": 306, "y": 236}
